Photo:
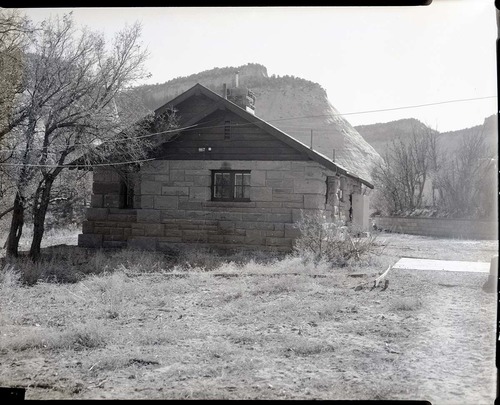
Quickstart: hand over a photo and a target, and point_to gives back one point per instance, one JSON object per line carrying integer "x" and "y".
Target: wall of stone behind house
{"x": 442, "y": 227}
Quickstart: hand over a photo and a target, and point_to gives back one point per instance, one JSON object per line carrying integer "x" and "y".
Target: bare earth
{"x": 429, "y": 336}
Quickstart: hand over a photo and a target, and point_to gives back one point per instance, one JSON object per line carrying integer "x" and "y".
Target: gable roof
{"x": 221, "y": 103}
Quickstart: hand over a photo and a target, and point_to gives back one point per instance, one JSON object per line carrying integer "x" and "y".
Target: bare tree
{"x": 15, "y": 32}
{"x": 402, "y": 175}
{"x": 467, "y": 179}
{"x": 72, "y": 82}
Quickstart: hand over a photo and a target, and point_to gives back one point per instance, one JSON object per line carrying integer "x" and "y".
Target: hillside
{"x": 379, "y": 135}
{"x": 294, "y": 105}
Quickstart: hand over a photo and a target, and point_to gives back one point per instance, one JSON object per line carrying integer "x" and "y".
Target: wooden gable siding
{"x": 192, "y": 107}
{"x": 246, "y": 142}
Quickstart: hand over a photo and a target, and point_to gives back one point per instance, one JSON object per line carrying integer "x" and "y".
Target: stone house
{"x": 225, "y": 179}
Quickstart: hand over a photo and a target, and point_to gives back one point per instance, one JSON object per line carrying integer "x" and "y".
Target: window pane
{"x": 222, "y": 185}
{"x": 238, "y": 179}
{"x": 246, "y": 179}
{"x": 238, "y": 192}
{"x": 246, "y": 192}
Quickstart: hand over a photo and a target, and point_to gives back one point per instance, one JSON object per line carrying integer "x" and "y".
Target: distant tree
{"x": 72, "y": 83}
{"x": 402, "y": 175}
{"x": 466, "y": 180}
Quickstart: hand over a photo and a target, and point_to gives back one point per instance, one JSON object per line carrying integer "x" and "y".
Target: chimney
{"x": 224, "y": 90}
{"x": 237, "y": 79}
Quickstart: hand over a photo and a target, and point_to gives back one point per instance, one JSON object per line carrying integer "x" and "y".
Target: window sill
{"x": 248, "y": 204}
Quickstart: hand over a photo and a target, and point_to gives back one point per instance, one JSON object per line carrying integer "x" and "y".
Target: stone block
{"x": 296, "y": 205}
{"x": 309, "y": 186}
{"x": 194, "y": 236}
{"x": 97, "y": 214}
{"x": 148, "y": 215}
{"x": 273, "y": 175}
{"x": 298, "y": 166}
{"x": 154, "y": 230}
{"x": 111, "y": 201}
{"x": 113, "y": 244}
{"x": 147, "y": 201}
{"x": 156, "y": 166}
{"x": 90, "y": 240}
{"x": 314, "y": 201}
{"x": 171, "y": 233}
{"x": 253, "y": 217}
{"x": 215, "y": 238}
{"x": 291, "y": 231}
{"x": 107, "y": 238}
{"x": 270, "y": 241}
{"x": 202, "y": 180}
{"x": 166, "y": 202}
{"x": 88, "y": 227}
{"x": 176, "y": 175}
{"x": 292, "y": 197}
{"x": 184, "y": 164}
{"x": 162, "y": 178}
{"x": 179, "y": 191}
{"x": 268, "y": 204}
{"x": 150, "y": 187}
{"x": 168, "y": 215}
{"x": 142, "y": 243}
{"x": 96, "y": 200}
{"x": 283, "y": 217}
{"x": 226, "y": 226}
{"x": 261, "y": 194}
{"x": 257, "y": 178}
{"x": 274, "y": 165}
{"x": 233, "y": 239}
{"x": 137, "y": 232}
{"x": 275, "y": 234}
{"x": 199, "y": 193}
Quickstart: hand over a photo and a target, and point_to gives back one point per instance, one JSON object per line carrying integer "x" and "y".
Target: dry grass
{"x": 148, "y": 326}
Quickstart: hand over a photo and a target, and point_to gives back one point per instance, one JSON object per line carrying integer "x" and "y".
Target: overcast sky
{"x": 366, "y": 58}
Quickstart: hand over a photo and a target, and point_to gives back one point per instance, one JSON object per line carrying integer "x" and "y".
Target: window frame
{"x": 232, "y": 185}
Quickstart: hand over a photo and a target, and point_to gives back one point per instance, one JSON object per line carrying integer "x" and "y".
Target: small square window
{"x": 230, "y": 185}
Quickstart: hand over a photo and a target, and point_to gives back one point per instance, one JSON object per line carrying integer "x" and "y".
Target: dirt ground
{"x": 429, "y": 336}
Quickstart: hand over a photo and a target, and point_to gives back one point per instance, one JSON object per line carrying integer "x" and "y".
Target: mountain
{"x": 380, "y": 135}
{"x": 296, "y": 106}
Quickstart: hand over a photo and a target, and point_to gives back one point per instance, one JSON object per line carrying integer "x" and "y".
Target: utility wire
{"x": 79, "y": 166}
{"x": 194, "y": 127}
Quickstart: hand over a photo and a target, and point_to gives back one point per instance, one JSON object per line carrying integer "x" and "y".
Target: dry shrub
{"x": 199, "y": 259}
{"x": 78, "y": 337}
{"x": 332, "y": 242}
{"x": 52, "y": 269}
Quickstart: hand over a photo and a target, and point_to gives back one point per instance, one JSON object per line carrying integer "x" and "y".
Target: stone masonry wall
{"x": 451, "y": 228}
{"x": 176, "y": 206}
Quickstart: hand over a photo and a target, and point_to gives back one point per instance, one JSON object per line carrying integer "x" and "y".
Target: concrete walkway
{"x": 442, "y": 265}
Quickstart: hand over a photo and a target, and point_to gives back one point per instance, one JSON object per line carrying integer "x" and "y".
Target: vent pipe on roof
{"x": 237, "y": 79}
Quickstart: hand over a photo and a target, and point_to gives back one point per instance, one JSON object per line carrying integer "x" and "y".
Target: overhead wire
{"x": 194, "y": 127}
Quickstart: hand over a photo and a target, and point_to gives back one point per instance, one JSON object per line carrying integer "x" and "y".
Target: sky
{"x": 366, "y": 58}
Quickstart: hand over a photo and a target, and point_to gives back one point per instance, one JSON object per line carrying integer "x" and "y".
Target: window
{"x": 230, "y": 185}
{"x": 126, "y": 193}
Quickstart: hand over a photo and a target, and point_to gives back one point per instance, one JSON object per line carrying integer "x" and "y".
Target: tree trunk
{"x": 39, "y": 212}
{"x": 16, "y": 226}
